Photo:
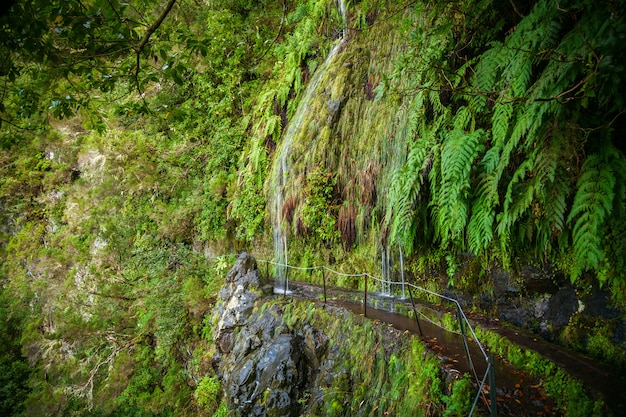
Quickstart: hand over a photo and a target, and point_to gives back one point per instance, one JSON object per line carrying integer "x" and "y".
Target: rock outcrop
{"x": 265, "y": 366}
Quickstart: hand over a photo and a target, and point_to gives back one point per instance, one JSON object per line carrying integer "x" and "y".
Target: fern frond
{"x": 592, "y": 205}
{"x": 522, "y": 76}
{"x": 406, "y": 192}
{"x": 595, "y": 190}
{"x": 459, "y": 152}
{"x": 500, "y": 121}
{"x": 462, "y": 119}
{"x": 555, "y": 204}
{"x": 406, "y": 184}
{"x": 480, "y": 226}
{"x": 491, "y": 158}
{"x": 518, "y": 198}
{"x": 273, "y": 127}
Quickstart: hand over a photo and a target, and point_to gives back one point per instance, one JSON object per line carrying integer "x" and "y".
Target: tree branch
{"x": 155, "y": 25}
{"x": 146, "y": 37}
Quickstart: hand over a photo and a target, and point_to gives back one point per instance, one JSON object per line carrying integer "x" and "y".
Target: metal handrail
{"x": 462, "y": 318}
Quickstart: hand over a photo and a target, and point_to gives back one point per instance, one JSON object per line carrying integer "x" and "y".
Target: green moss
{"x": 374, "y": 374}
{"x": 568, "y": 392}
{"x": 596, "y": 337}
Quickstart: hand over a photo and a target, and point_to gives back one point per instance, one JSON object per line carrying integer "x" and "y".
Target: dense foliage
{"x": 517, "y": 149}
{"x": 139, "y": 141}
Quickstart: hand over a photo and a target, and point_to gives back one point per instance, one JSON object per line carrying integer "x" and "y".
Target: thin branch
{"x": 146, "y": 39}
{"x": 515, "y": 8}
{"x": 280, "y": 31}
{"x": 610, "y": 123}
{"x": 116, "y": 297}
{"x": 155, "y": 26}
{"x": 3, "y": 120}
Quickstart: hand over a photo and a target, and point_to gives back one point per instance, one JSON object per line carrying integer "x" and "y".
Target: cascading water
{"x": 387, "y": 267}
{"x": 280, "y": 170}
{"x": 402, "y": 273}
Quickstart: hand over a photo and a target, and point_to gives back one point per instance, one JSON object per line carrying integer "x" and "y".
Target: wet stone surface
{"x": 265, "y": 366}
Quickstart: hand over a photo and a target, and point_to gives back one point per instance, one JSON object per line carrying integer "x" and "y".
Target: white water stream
{"x": 389, "y": 284}
{"x": 280, "y": 170}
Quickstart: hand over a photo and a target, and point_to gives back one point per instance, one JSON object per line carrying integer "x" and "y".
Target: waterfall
{"x": 387, "y": 274}
{"x": 341, "y": 8}
{"x": 280, "y": 169}
{"x": 402, "y": 272}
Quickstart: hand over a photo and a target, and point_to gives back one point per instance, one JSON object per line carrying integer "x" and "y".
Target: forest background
{"x": 137, "y": 146}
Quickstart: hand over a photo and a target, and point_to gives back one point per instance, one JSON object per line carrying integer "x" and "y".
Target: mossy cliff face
{"x": 290, "y": 358}
{"x": 341, "y": 157}
{"x": 435, "y": 132}
{"x": 475, "y": 137}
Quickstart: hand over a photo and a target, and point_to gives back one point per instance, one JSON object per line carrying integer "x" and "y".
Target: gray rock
{"x": 265, "y": 366}
{"x": 242, "y": 289}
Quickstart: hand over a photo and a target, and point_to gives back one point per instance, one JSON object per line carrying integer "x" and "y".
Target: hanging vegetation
{"x": 523, "y": 159}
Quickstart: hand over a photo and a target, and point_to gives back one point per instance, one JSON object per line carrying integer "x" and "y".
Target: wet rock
{"x": 334, "y": 111}
{"x": 502, "y": 283}
{"x": 538, "y": 299}
{"x": 560, "y": 307}
{"x": 242, "y": 289}
{"x": 266, "y": 367}
{"x": 540, "y": 280}
{"x": 544, "y": 313}
{"x": 598, "y": 304}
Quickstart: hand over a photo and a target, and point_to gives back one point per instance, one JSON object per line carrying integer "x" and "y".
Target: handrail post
{"x": 415, "y": 312}
{"x": 267, "y": 271}
{"x": 286, "y": 278}
{"x": 465, "y": 345}
{"x": 365, "y": 299}
{"x": 492, "y": 387}
{"x": 324, "y": 281}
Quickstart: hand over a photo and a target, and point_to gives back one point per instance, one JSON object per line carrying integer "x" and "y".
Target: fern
{"x": 529, "y": 128}
{"x": 487, "y": 71}
{"x": 592, "y": 205}
{"x": 407, "y": 182}
{"x": 462, "y": 119}
{"x": 513, "y": 209}
{"x": 500, "y": 121}
{"x": 405, "y": 194}
{"x": 553, "y": 199}
{"x": 460, "y": 149}
{"x": 480, "y": 227}
{"x": 552, "y": 163}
